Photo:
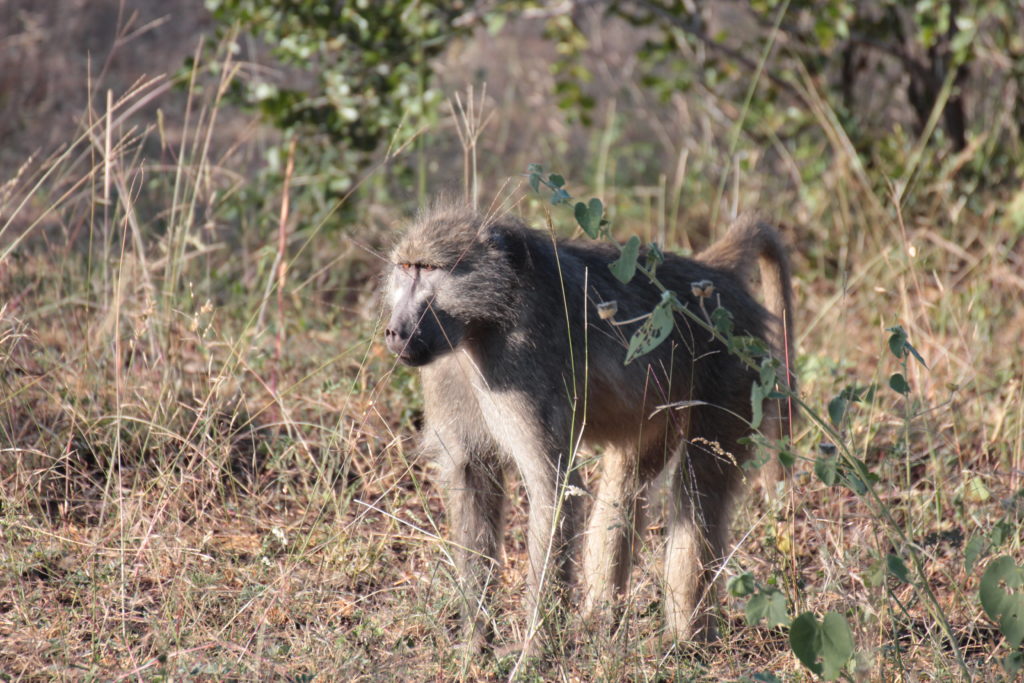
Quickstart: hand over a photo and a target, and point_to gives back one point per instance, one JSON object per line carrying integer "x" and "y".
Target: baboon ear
{"x": 512, "y": 243}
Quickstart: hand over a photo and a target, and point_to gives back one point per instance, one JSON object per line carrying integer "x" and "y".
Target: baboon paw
{"x": 701, "y": 630}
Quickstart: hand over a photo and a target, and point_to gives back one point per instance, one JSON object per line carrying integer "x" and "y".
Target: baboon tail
{"x": 749, "y": 240}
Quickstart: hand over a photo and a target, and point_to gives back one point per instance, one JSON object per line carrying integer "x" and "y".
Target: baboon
{"x": 518, "y": 367}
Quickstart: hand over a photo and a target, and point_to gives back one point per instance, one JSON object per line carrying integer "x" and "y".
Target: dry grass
{"x": 201, "y": 479}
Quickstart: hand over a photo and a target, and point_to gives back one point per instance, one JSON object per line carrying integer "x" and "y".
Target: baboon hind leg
{"x": 476, "y": 500}
{"x": 703, "y": 490}
{"x": 612, "y": 533}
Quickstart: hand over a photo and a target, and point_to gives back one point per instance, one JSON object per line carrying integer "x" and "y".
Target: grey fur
{"x": 516, "y": 363}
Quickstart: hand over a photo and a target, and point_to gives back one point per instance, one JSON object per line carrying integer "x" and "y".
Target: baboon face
{"x": 419, "y": 329}
{"x": 454, "y": 280}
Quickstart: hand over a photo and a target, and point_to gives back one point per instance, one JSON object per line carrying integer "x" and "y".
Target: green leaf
{"x": 654, "y": 330}
{"x": 857, "y": 476}
{"x": 897, "y": 568}
{"x": 495, "y": 21}
{"x": 876, "y": 574}
{"x": 741, "y": 585}
{"x": 827, "y": 469}
{"x": 1002, "y": 595}
{"x": 961, "y": 42}
{"x": 769, "y": 604}
{"x": 758, "y": 393}
{"x": 837, "y": 410}
{"x": 915, "y": 354}
{"x": 975, "y": 491}
{"x": 829, "y": 641}
{"x": 721, "y": 319}
{"x": 589, "y": 216}
{"x": 624, "y": 268}
{"x": 655, "y": 256}
{"x": 786, "y": 456}
{"x": 1001, "y": 532}
{"x": 973, "y": 552}
{"x": 898, "y": 341}
{"x": 901, "y": 347}
{"x": 898, "y": 383}
{"x": 1014, "y": 662}
{"x": 556, "y": 180}
{"x": 805, "y": 641}
{"x": 836, "y": 645}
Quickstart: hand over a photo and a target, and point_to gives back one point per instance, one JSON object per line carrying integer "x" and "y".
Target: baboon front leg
{"x": 476, "y": 499}
{"x": 615, "y": 518}
{"x": 697, "y": 536}
{"x": 554, "y": 515}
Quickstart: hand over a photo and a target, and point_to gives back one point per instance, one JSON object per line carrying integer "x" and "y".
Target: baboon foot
{"x": 702, "y": 629}
{"x": 603, "y": 619}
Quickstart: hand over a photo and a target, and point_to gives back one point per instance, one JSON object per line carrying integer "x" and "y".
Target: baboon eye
{"x": 423, "y": 266}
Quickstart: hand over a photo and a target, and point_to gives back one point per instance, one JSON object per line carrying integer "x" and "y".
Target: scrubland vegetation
{"x": 207, "y": 456}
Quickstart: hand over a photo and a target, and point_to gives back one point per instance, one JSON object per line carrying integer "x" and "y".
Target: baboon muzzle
{"x": 419, "y": 334}
{"x": 409, "y": 343}
{"x": 400, "y": 341}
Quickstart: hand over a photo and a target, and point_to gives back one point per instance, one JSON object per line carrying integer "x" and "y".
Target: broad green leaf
{"x": 624, "y": 268}
{"x": 915, "y": 354}
{"x": 589, "y": 216}
{"x": 535, "y": 182}
{"x": 897, "y": 568}
{"x": 898, "y": 383}
{"x": 827, "y": 469}
{"x": 973, "y": 552}
{"x": 654, "y": 330}
{"x": 1000, "y": 532}
{"x": 876, "y": 574}
{"x": 786, "y": 456}
{"x": 1014, "y": 662}
{"x": 901, "y": 347}
{"x": 742, "y": 585}
{"x": 769, "y": 604}
{"x": 1002, "y": 595}
{"x": 805, "y": 641}
{"x": 856, "y": 477}
{"x": 830, "y": 641}
{"x": 975, "y": 491}
{"x": 721, "y": 319}
{"x": 560, "y": 196}
{"x": 836, "y": 645}
{"x": 898, "y": 342}
{"x": 758, "y": 393}
{"x": 837, "y": 410}
{"x": 655, "y": 256}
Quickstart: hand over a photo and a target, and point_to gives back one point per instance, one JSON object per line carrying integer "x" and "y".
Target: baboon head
{"x": 453, "y": 279}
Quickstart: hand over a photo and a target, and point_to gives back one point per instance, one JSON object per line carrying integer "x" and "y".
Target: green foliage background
{"x": 910, "y": 85}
